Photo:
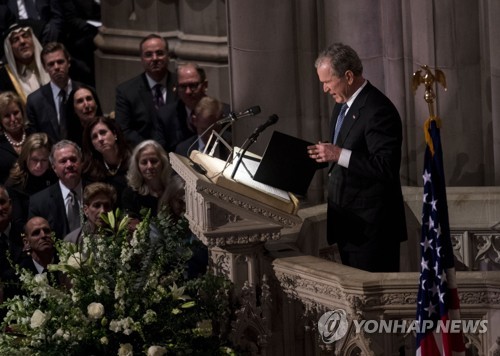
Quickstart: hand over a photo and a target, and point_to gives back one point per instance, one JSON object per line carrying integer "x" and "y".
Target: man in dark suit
{"x": 46, "y": 106}
{"x": 365, "y": 204}
{"x": 175, "y": 122}
{"x": 138, "y": 99}
{"x": 39, "y": 244}
{"x": 60, "y": 203}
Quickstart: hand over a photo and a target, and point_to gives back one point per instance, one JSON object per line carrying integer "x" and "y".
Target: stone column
{"x": 272, "y": 48}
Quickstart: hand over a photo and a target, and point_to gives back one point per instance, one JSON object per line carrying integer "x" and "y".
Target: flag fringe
{"x": 427, "y": 126}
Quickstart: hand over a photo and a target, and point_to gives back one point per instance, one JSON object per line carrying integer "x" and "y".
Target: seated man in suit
{"x": 46, "y": 106}
{"x": 175, "y": 120}
{"x": 22, "y": 70}
{"x": 39, "y": 245}
{"x": 138, "y": 99}
{"x": 206, "y": 114}
{"x": 60, "y": 203}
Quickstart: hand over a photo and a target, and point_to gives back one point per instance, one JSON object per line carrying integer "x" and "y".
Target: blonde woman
{"x": 13, "y": 131}
{"x": 147, "y": 178}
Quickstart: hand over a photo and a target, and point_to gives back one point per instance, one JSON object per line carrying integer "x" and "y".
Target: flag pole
{"x": 438, "y": 301}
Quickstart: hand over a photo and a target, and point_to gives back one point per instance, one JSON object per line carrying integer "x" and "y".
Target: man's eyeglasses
{"x": 191, "y": 86}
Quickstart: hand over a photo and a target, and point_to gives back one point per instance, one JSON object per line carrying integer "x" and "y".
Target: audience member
{"x": 46, "y": 107}
{"x": 39, "y": 245}
{"x": 13, "y": 132}
{"x": 138, "y": 99}
{"x": 173, "y": 200}
{"x": 31, "y": 173}
{"x": 82, "y": 107}
{"x": 147, "y": 178}
{"x": 11, "y": 244}
{"x": 206, "y": 114}
{"x": 98, "y": 198}
{"x": 106, "y": 153}
{"x": 60, "y": 203}
{"x": 22, "y": 71}
{"x": 44, "y": 16}
{"x": 174, "y": 120}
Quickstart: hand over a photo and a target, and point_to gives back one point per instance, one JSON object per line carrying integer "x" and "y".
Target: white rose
{"x": 75, "y": 260}
{"x": 95, "y": 310}
{"x": 41, "y": 278}
{"x": 126, "y": 350}
{"x": 104, "y": 340}
{"x": 156, "y": 351}
{"x": 38, "y": 319}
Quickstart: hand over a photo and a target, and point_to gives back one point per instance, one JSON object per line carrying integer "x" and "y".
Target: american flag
{"x": 437, "y": 294}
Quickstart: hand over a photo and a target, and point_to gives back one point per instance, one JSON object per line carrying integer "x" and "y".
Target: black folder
{"x": 286, "y": 164}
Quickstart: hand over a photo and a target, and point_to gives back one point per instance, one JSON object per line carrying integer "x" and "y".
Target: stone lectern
{"x": 234, "y": 223}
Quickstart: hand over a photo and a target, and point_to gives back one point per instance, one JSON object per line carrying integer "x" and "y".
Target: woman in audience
{"x": 106, "y": 153}
{"x": 82, "y": 107}
{"x": 32, "y": 173}
{"x": 147, "y": 177}
{"x": 98, "y": 198}
{"x": 13, "y": 131}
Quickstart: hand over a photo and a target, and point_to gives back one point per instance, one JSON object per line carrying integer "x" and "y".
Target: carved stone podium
{"x": 235, "y": 228}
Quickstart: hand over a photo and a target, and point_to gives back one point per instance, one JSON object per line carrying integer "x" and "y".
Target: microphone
{"x": 271, "y": 121}
{"x": 254, "y": 110}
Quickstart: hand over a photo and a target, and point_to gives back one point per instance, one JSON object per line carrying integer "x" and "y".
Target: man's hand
{"x": 324, "y": 152}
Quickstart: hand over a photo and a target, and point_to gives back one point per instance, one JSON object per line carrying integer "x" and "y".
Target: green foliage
{"x": 124, "y": 291}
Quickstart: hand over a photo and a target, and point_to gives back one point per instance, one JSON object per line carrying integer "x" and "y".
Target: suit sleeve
{"x": 123, "y": 110}
{"x": 31, "y": 114}
{"x": 381, "y": 158}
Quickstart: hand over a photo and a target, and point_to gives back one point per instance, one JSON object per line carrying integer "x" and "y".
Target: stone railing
{"x": 320, "y": 286}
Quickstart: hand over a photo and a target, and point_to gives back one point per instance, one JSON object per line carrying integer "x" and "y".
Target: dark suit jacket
{"x": 134, "y": 110}
{"x": 5, "y": 81}
{"x": 171, "y": 126}
{"x": 49, "y": 204}
{"x": 365, "y": 203}
{"x": 42, "y": 113}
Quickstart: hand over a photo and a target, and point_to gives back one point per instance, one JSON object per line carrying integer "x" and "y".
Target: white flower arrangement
{"x": 125, "y": 294}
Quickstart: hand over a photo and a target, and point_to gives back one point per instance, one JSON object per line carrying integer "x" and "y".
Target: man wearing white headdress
{"x": 23, "y": 72}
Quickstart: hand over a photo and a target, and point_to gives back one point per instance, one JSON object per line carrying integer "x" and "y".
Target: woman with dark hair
{"x": 13, "y": 131}
{"x": 82, "y": 107}
{"x": 106, "y": 153}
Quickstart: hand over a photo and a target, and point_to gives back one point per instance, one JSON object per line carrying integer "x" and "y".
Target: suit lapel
{"x": 58, "y": 199}
{"x": 353, "y": 114}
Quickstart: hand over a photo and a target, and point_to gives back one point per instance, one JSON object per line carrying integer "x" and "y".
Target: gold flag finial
{"x": 428, "y": 80}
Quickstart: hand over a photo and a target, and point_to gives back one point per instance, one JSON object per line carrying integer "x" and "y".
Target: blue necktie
{"x": 340, "y": 120}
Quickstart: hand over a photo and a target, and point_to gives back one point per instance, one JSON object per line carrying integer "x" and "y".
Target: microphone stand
{"x": 251, "y": 140}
